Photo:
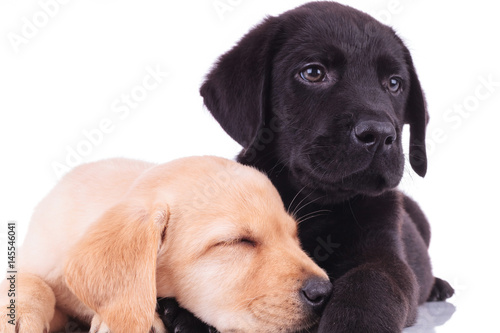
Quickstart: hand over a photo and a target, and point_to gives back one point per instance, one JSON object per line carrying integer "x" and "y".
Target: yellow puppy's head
{"x": 232, "y": 255}
{"x": 210, "y": 232}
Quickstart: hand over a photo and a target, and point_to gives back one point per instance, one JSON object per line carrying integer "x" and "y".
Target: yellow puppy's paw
{"x": 26, "y": 322}
{"x": 31, "y": 309}
{"x": 31, "y": 323}
{"x": 6, "y": 327}
{"x": 158, "y": 326}
{"x": 98, "y": 326}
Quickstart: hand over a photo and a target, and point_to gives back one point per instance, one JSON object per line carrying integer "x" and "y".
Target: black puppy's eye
{"x": 313, "y": 73}
{"x": 394, "y": 84}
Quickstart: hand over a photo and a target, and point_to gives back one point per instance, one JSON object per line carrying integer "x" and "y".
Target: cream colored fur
{"x": 114, "y": 235}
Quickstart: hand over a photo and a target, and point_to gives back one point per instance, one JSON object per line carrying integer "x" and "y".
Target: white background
{"x": 65, "y": 73}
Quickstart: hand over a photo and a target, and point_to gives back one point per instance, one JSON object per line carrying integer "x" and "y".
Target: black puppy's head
{"x": 334, "y": 87}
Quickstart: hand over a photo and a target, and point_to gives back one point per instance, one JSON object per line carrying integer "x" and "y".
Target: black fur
{"x": 177, "y": 319}
{"x": 333, "y": 149}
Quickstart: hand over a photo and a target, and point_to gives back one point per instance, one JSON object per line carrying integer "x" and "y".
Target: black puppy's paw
{"x": 167, "y": 309}
{"x": 186, "y": 322}
{"x": 346, "y": 319}
{"x": 179, "y": 320}
{"x": 441, "y": 291}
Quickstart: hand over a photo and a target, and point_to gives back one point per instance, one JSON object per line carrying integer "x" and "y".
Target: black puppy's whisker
{"x": 407, "y": 171}
{"x": 295, "y": 197}
{"x": 271, "y": 170}
{"x": 298, "y": 207}
{"x": 281, "y": 170}
{"x": 314, "y": 214}
{"x": 327, "y": 168}
{"x": 354, "y": 216}
{"x": 307, "y": 204}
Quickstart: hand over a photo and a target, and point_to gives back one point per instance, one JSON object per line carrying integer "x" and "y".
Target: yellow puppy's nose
{"x": 315, "y": 293}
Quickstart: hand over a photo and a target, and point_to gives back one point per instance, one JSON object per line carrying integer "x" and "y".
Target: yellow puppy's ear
{"x": 112, "y": 269}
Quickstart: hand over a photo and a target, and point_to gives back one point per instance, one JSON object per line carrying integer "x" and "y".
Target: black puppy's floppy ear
{"x": 417, "y": 117}
{"x": 236, "y": 90}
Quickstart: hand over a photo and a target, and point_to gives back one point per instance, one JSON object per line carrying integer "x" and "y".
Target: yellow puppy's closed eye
{"x": 247, "y": 241}
{"x": 230, "y": 244}
{"x": 241, "y": 241}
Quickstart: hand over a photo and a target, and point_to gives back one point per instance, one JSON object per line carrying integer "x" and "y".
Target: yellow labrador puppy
{"x": 113, "y": 236}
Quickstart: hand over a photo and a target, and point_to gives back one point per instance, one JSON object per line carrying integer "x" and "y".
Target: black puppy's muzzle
{"x": 374, "y": 136}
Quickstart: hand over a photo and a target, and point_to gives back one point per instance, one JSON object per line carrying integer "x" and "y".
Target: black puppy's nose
{"x": 315, "y": 293}
{"x": 374, "y": 135}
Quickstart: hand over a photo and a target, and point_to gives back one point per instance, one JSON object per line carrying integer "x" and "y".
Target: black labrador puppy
{"x": 318, "y": 97}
